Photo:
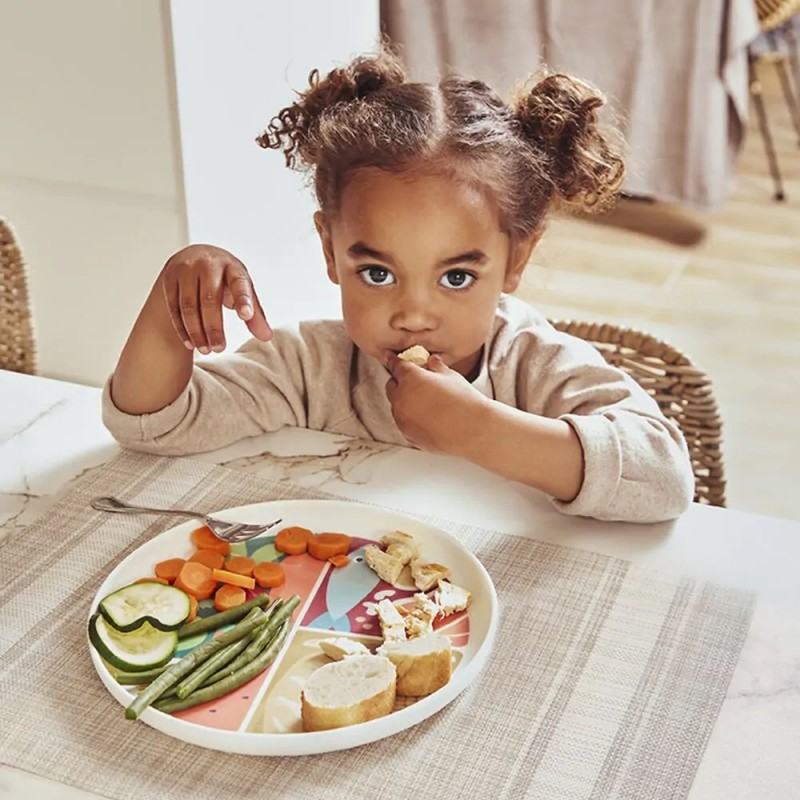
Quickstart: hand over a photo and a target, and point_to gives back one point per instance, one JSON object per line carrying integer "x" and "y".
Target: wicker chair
{"x": 17, "y": 349}
{"x": 682, "y": 391}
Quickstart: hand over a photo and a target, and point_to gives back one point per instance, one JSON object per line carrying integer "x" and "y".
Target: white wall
{"x": 237, "y": 64}
{"x": 89, "y": 168}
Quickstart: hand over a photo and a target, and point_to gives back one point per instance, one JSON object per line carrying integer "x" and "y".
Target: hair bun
{"x": 559, "y": 117}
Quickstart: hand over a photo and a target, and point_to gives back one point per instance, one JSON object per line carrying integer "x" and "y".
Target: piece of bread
{"x": 416, "y": 355}
{"x": 423, "y": 665}
{"x": 426, "y": 576}
{"x": 342, "y": 647}
{"x": 357, "y": 689}
{"x": 384, "y": 565}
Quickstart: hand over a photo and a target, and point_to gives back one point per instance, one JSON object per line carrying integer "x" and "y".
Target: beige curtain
{"x": 675, "y": 71}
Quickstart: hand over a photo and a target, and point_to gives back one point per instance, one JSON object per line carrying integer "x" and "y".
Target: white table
{"x": 51, "y": 433}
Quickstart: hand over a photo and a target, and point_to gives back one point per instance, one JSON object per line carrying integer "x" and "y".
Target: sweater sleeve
{"x": 636, "y": 462}
{"x": 260, "y": 388}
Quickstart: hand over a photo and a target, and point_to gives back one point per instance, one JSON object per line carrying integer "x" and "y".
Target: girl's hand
{"x": 197, "y": 281}
{"x": 434, "y": 407}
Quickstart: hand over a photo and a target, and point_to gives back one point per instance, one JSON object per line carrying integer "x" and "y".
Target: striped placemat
{"x": 605, "y": 680}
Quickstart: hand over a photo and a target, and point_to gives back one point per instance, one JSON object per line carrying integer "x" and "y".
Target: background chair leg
{"x": 794, "y": 59}
{"x": 790, "y": 92}
{"x": 763, "y": 124}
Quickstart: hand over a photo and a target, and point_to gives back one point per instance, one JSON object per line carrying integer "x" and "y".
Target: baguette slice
{"x": 357, "y": 689}
{"x": 423, "y": 665}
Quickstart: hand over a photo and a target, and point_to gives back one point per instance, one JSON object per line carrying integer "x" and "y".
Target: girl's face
{"x": 420, "y": 259}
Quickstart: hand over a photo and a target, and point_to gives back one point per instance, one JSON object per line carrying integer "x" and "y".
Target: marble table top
{"x": 51, "y": 434}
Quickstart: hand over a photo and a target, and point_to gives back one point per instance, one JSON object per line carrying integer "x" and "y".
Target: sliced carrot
{"x": 325, "y": 545}
{"x": 228, "y": 596}
{"x": 268, "y": 574}
{"x": 339, "y": 561}
{"x": 241, "y": 565}
{"x": 197, "y": 580}
{"x": 205, "y": 540}
{"x": 213, "y": 559}
{"x": 232, "y": 578}
{"x": 152, "y": 580}
{"x": 169, "y": 569}
{"x": 292, "y": 541}
{"x": 192, "y": 608}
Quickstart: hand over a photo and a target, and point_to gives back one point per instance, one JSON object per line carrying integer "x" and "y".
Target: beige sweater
{"x": 636, "y": 462}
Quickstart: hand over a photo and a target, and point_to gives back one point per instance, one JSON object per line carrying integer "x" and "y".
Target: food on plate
{"x": 145, "y": 648}
{"x": 401, "y": 545}
{"x": 269, "y": 575}
{"x": 233, "y": 578}
{"x": 342, "y": 693}
{"x": 341, "y": 647}
{"x": 423, "y": 665}
{"x": 387, "y": 567}
{"x": 292, "y": 541}
{"x": 228, "y": 597}
{"x": 426, "y": 576}
{"x": 204, "y": 539}
{"x": 215, "y": 621}
{"x": 169, "y": 569}
{"x": 391, "y": 621}
{"x": 326, "y": 545}
{"x": 164, "y": 607}
{"x": 242, "y": 565}
{"x": 419, "y": 619}
{"x": 211, "y": 558}
{"x": 339, "y": 561}
{"x": 196, "y": 579}
{"x": 451, "y": 598}
{"x": 416, "y": 354}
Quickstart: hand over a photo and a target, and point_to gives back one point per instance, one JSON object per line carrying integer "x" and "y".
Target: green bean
{"x": 260, "y": 641}
{"x": 137, "y": 678}
{"x": 214, "y": 621}
{"x": 176, "y": 671}
{"x": 193, "y": 680}
{"x": 232, "y": 682}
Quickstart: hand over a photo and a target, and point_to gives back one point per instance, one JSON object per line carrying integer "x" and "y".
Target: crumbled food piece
{"x": 340, "y": 648}
{"x": 386, "y": 566}
{"x": 451, "y": 598}
{"x": 401, "y": 545}
{"x": 426, "y": 576}
{"x": 419, "y": 621}
{"x": 416, "y": 355}
{"x": 393, "y": 626}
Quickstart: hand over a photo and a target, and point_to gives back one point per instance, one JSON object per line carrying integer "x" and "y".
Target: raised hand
{"x": 197, "y": 282}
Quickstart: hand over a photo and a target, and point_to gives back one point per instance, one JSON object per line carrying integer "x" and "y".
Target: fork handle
{"x": 118, "y": 507}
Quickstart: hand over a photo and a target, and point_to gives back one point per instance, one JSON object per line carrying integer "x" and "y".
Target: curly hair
{"x": 545, "y": 147}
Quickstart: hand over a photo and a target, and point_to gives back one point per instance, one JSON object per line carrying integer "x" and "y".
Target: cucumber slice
{"x": 145, "y": 648}
{"x": 163, "y": 607}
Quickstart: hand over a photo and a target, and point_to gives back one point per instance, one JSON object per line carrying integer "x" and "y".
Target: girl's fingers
{"x": 258, "y": 324}
{"x": 172, "y": 297}
{"x": 246, "y": 302}
{"x": 189, "y": 302}
{"x": 227, "y": 298}
{"x": 210, "y": 294}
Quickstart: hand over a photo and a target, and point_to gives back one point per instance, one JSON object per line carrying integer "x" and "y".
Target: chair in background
{"x": 775, "y": 17}
{"x": 17, "y": 348}
{"x": 683, "y": 393}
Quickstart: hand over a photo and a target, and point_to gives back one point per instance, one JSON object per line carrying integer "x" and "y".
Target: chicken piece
{"x": 386, "y": 566}
{"x": 416, "y": 355}
{"x": 341, "y": 648}
{"x": 417, "y": 626}
{"x": 401, "y": 545}
{"x": 451, "y": 598}
{"x": 393, "y": 625}
{"x": 426, "y": 576}
{"x": 419, "y": 621}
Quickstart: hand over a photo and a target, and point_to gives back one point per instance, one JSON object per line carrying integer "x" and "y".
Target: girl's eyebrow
{"x": 361, "y": 250}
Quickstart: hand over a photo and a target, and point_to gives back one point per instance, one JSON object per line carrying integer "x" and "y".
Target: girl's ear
{"x": 324, "y": 232}
{"x": 518, "y": 259}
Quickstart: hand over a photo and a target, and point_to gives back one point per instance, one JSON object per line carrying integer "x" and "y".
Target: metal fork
{"x": 227, "y": 531}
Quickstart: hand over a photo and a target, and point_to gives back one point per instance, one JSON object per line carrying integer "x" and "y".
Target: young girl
{"x": 431, "y": 199}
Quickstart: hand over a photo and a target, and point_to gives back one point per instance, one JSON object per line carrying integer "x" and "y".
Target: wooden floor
{"x": 723, "y": 288}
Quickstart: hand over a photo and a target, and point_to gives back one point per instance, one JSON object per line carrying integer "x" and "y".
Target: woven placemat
{"x": 605, "y": 681}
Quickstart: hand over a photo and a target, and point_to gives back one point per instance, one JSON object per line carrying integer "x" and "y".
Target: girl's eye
{"x": 457, "y": 279}
{"x": 376, "y": 276}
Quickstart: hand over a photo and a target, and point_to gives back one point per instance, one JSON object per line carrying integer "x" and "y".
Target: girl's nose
{"x": 413, "y": 312}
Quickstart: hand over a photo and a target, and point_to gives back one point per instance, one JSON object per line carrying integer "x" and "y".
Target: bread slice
{"x": 423, "y": 665}
{"x": 416, "y": 354}
{"x": 357, "y": 689}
